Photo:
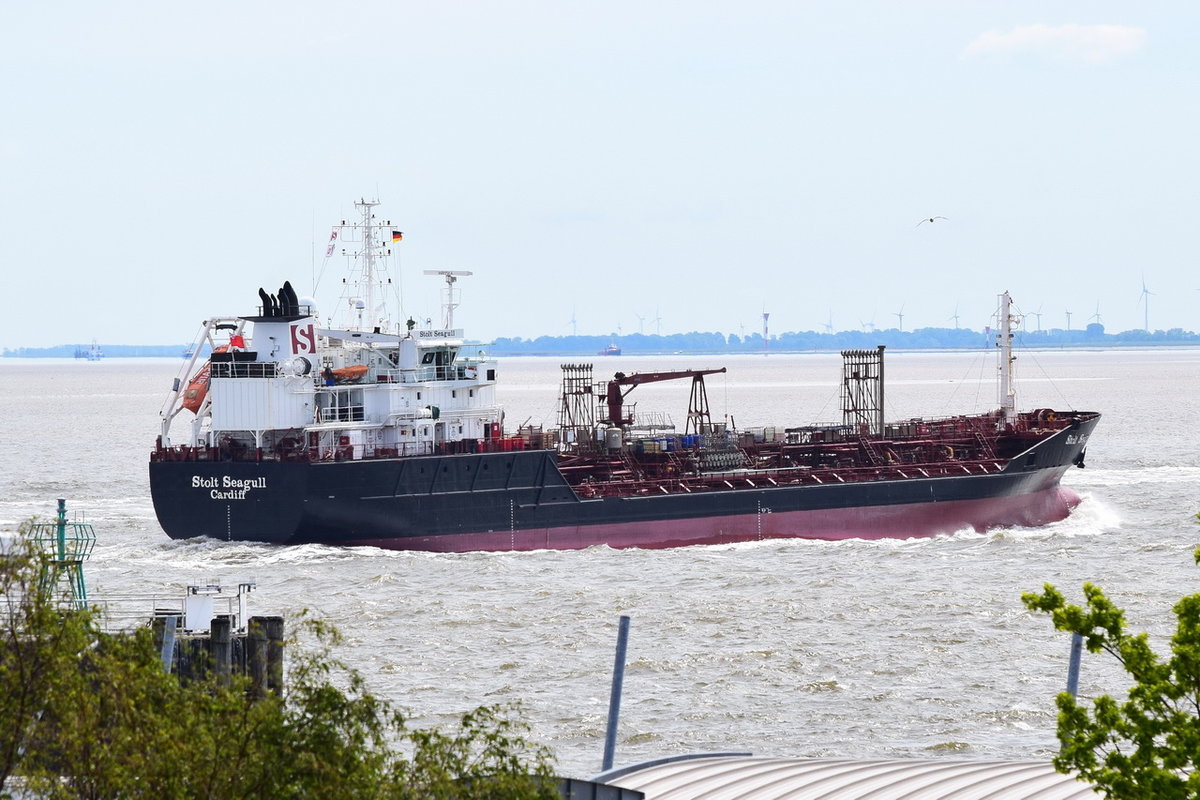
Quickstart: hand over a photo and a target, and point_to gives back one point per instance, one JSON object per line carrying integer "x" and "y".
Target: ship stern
{"x": 231, "y": 501}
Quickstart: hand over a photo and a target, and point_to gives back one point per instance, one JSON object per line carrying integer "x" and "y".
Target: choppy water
{"x": 894, "y": 648}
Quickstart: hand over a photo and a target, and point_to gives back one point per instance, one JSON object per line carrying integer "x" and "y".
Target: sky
{"x": 603, "y": 168}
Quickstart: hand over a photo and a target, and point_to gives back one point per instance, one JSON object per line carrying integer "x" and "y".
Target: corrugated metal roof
{"x": 757, "y": 778}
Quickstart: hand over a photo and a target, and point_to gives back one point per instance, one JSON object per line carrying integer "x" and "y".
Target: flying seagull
{"x": 927, "y": 219}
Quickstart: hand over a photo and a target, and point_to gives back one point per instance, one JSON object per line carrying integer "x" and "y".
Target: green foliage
{"x": 1148, "y": 744}
{"x": 84, "y": 714}
{"x": 39, "y": 643}
{"x": 490, "y": 749}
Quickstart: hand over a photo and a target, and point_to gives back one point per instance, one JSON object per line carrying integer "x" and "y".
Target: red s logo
{"x": 304, "y": 339}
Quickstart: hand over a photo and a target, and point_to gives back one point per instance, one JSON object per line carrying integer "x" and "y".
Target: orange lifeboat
{"x": 197, "y": 388}
{"x": 352, "y": 374}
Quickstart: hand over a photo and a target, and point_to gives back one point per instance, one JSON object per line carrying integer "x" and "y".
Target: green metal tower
{"x": 65, "y": 546}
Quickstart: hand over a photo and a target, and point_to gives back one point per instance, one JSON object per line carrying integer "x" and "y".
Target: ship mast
{"x": 1008, "y": 392}
{"x": 365, "y": 293}
{"x": 451, "y": 296}
{"x": 368, "y": 256}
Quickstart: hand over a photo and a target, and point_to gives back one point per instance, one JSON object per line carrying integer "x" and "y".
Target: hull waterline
{"x": 520, "y": 501}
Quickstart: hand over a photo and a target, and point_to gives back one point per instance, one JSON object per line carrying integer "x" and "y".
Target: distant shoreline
{"x": 713, "y": 343}
{"x": 611, "y": 345}
{"x": 498, "y": 349}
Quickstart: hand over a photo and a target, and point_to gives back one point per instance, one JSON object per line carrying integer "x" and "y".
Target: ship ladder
{"x": 676, "y": 464}
{"x": 635, "y": 469}
{"x": 986, "y": 451}
{"x": 873, "y": 454}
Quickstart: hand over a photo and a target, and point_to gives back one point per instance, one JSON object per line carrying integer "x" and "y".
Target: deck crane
{"x": 698, "y": 419}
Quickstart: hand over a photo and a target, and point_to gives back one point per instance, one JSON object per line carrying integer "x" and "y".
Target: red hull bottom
{"x": 916, "y": 520}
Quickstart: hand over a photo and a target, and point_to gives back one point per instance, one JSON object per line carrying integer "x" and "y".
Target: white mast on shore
{"x": 1008, "y": 392}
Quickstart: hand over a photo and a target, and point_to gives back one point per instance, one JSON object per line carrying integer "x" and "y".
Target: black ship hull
{"x": 521, "y": 501}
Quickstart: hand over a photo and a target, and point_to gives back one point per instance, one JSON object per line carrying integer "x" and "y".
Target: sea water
{"x": 782, "y": 648}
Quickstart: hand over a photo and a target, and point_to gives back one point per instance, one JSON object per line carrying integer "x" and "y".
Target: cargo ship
{"x": 390, "y": 435}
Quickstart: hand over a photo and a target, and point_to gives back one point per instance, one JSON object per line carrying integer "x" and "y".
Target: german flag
{"x": 396, "y": 236}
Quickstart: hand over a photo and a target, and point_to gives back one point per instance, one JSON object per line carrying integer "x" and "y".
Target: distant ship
{"x": 611, "y": 350}
{"x": 93, "y": 353}
{"x": 373, "y": 433}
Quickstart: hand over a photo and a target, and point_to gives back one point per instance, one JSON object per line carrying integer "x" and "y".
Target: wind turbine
{"x": 1037, "y": 314}
{"x": 829, "y": 324}
{"x": 868, "y": 325}
{"x": 954, "y": 316}
{"x": 1068, "y": 313}
{"x": 1145, "y": 298}
{"x": 641, "y": 319}
{"x": 657, "y": 323}
{"x": 1096, "y": 316}
{"x": 900, "y": 315}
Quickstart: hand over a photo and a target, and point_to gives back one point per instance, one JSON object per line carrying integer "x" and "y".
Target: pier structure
{"x": 210, "y": 634}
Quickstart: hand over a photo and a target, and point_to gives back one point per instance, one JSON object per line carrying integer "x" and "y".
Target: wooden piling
{"x": 256, "y": 655}
{"x": 221, "y": 652}
{"x": 274, "y": 629}
{"x": 220, "y": 632}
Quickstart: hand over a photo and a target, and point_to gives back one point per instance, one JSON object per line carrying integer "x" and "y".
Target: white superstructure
{"x": 279, "y": 385}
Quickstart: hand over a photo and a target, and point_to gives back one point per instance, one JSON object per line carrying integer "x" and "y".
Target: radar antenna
{"x": 450, "y": 302}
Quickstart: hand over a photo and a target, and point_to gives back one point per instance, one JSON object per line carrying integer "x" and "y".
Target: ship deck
{"x": 672, "y": 464}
